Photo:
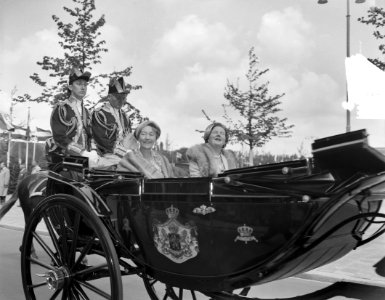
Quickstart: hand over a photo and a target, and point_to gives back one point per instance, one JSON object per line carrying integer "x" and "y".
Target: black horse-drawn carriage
{"x": 213, "y": 236}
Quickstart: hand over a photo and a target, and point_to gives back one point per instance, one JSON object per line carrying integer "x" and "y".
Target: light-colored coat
{"x": 4, "y": 181}
{"x": 203, "y": 156}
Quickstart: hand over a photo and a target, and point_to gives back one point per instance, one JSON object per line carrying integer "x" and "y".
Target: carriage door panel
{"x": 177, "y": 225}
{"x": 250, "y": 226}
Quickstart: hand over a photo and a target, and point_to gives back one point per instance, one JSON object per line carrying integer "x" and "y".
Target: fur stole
{"x": 203, "y": 155}
{"x": 134, "y": 161}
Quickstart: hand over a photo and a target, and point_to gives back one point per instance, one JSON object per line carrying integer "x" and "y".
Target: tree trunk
{"x": 251, "y": 158}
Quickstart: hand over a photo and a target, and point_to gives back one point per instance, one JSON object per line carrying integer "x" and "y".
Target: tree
{"x": 82, "y": 48}
{"x": 257, "y": 109}
{"x": 376, "y": 18}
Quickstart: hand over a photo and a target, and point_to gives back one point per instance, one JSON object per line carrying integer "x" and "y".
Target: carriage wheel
{"x": 64, "y": 231}
{"x": 160, "y": 291}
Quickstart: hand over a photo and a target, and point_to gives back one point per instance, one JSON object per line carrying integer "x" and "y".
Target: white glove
{"x": 93, "y": 158}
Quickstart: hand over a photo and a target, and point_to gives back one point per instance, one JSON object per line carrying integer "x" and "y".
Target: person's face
{"x": 147, "y": 137}
{"x": 118, "y": 100}
{"x": 78, "y": 88}
{"x": 217, "y": 137}
{"x": 2, "y": 165}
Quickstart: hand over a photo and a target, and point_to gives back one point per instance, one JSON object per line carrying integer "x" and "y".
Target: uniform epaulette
{"x": 63, "y": 102}
{"x": 98, "y": 106}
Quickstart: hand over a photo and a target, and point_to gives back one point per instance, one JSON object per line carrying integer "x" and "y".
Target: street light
{"x": 347, "y": 50}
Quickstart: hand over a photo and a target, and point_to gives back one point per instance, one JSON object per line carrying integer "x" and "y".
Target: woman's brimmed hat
{"x": 117, "y": 86}
{"x": 144, "y": 124}
{"x": 210, "y": 128}
{"x": 76, "y": 74}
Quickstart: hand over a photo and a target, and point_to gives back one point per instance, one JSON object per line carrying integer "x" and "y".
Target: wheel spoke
{"x": 152, "y": 282}
{"x": 52, "y": 234}
{"x": 46, "y": 248}
{"x": 193, "y": 295}
{"x": 84, "y": 252}
{"x": 95, "y": 289}
{"x": 74, "y": 294}
{"x": 64, "y": 296}
{"x": 54, "y": 296}
{"x": 40, "y": 263}
{"x": 33, "y": 286}
{"x": 80, "y": 290}
{"x": 63, "y": 235}
{"x": 74, "y": 239}
{"x": 91, "y": 269}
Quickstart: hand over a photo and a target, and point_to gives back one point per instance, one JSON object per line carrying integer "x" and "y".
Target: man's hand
{"x": 93, "y": 158}
{"x": 130, "y": 142}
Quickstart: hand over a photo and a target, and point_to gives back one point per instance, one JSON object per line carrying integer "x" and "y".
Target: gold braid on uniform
{"x": 62, "y": 112}
{"x": 102, "y": 121}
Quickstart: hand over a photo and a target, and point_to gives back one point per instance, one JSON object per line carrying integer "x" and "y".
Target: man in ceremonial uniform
{"x": 70, "y": 121}
{"x": 111, "y": 129}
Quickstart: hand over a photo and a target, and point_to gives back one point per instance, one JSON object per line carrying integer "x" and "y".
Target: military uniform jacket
{"x": 110, "y": 127}
{"x": 70, "y": 125}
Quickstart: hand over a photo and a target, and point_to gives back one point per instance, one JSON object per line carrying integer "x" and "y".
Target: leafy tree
{"x": 257, "y": 109}
{"x": 83, "y": 48}
{"x": 376, "y": 18}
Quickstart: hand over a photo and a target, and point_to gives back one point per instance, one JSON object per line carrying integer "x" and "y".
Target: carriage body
{"x": 224, "y": 233}
{"x": 247, "y": 226}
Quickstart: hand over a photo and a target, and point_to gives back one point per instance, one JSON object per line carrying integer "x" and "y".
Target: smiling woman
{"x": 146, "y": 160}
{"x": 210, "y": 158}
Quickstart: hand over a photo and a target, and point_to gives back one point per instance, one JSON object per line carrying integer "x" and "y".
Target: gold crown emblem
{"x": 172, "y": 212}
{"x": 245, "y": 231}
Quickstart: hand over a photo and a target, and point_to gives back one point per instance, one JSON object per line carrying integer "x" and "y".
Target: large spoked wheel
{"x": 74, "y": 256}
{"x": 160, "y": 291}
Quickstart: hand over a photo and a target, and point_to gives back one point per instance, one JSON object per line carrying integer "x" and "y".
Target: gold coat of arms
{"x": 174, "y": 240}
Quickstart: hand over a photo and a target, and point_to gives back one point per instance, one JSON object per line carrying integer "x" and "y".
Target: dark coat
{"x": 65, "y": 128}
{"x": 105, "y": 129}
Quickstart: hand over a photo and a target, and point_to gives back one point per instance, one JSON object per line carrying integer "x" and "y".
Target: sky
{"x": 184, "y": 52}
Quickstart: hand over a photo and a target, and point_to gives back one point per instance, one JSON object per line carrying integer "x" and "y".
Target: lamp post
{"x": 347, "y": 50}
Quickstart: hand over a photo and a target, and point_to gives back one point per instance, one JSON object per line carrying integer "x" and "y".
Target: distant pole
{"x": 34, "y": 149}
{"x": 347, "y": 51}
{"x": 347, "y": 55}
{"x": 28, "y": 133}
{"x": 13, "y": 92}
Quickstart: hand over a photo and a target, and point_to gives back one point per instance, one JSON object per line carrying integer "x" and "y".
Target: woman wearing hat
{"x": 145, "y": 159}
{"x": 210, "y": 158}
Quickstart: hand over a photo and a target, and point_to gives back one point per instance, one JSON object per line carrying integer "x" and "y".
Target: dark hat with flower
{"x": 117, "y": 86}
{"x": 210, "y": 128}
{"x": 77, "y": 74}
{"x": 152, "y": 124}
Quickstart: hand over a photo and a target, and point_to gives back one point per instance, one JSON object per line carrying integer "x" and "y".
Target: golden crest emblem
{"x": 174, "y": 240}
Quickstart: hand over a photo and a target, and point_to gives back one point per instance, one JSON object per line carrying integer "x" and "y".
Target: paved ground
{"x": 366, "y": 265}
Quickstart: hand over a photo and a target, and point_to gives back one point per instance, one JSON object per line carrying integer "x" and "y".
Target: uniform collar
{"x": 74, "y": 99}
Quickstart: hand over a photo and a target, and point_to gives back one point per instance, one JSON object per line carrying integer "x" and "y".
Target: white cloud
{"x": 192, "y": 39}
{"x": 31, "y": 48}
{"x": 312, "y": 102}
{"x": 285, "y": 37}
{"x": 115, "y": 59}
